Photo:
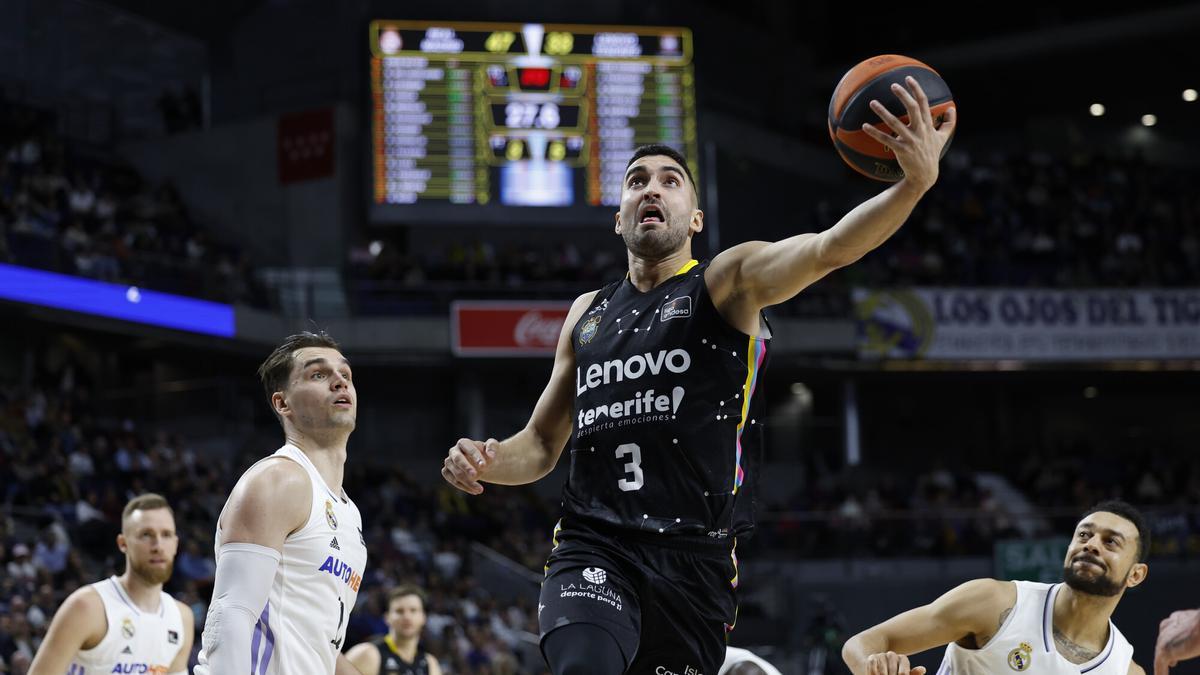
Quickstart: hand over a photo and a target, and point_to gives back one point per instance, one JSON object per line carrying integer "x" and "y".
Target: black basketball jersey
{"x": 390, "y": 663}
{"x": 668, "y": 420}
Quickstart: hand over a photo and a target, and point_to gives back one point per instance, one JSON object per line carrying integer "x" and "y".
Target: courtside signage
{"x": 506, "y": 328}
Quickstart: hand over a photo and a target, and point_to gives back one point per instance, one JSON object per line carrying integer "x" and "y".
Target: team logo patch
{"x": 173, "y": 637}
{"x": 329, "y": 517}
{"x": 1020, "y": 658}
{"x": 679, "y": 308}
{"x": 595, "y": 575}
{"x": 127, "y": 628}
{"x": 588, "y": 331}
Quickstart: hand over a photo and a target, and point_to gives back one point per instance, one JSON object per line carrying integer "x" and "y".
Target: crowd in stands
{"x": 68, "y": 471}
{"x": 67, "y": 475}
{"x": 947, "y": 509}
{"x": 80, "y": 211}
{"x": 1002, "y": 219}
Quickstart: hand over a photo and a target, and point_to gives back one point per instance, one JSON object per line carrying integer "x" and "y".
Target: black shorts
{"x": 668, "y": 603}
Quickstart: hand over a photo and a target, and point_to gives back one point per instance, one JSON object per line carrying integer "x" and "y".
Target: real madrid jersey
{"x": 668, "y": 413}
{"x": 136, "y": 641}
{"x": 303, "y": 625}
{"x": 1025, "y": 643}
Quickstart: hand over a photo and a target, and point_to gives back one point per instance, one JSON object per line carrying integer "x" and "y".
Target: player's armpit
{"x": 272, "y": 500}
{"x": 435, "y": 668}
{"x": 1135, "y": 669}
{"x": 973, "y": 608}
{"x": 78, "y": 624}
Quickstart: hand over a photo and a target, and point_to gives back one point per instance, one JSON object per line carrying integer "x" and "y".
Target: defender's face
{"x": 406, "y": 616}
{"x": 320, "y": 392}
{"x": 149, "y": 542}
{"x": 658, "y": 207}
{"x": 1102, "y": 558}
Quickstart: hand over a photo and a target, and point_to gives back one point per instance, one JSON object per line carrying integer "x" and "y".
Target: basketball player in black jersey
{"x": 655, "y": 383}
{"x": 398, "y": 652}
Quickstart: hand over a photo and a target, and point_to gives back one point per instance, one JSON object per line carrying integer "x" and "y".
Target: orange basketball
{"x": 850, "y": 108}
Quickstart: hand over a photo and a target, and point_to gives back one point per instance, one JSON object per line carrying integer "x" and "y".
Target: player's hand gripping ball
{"x": 850, "y": 108}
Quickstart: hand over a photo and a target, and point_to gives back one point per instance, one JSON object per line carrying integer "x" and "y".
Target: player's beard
{"x": 657, "y": 243}
{"x": 1100, "y": 585}
{"x": 150, "y": 574}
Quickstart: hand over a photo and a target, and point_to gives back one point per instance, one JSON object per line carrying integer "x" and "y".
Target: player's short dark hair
{"x": 275, "y": 371}
{"x": 145, "y": 502}
{"x": 665, "y": 151}
{"x": 1132, "y": 514}
{"x": 403, "y": 591}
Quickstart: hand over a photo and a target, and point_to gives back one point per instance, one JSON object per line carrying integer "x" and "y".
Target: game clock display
{"x": 478, "y": 122}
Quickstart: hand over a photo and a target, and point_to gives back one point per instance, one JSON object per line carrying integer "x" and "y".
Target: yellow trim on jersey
{"x": 553, "y": 540}
{"x": 690, "y": 264}
{"x": 387, "y": 639}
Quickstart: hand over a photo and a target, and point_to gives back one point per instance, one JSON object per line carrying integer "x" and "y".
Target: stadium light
{"x": 1149, "y": 120}
{"x": 1096, "y": 109}
{"x": 1189, "y": 95}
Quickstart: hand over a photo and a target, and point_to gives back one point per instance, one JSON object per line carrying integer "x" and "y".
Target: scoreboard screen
{"x": 520, "y": 123}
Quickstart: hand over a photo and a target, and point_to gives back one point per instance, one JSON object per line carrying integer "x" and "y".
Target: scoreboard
{"x": 492, "y": 122}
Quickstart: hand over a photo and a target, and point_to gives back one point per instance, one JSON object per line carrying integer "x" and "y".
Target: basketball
{"x": 850, "y": 107}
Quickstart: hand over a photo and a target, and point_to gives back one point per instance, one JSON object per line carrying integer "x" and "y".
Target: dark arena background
{"x": 184, "y": 184}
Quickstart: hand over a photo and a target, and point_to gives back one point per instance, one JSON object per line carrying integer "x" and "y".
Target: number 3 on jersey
{"x": 634, "y": 466}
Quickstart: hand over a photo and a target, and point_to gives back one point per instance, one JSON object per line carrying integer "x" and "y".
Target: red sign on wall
{"x": 305, "y": 145}
{"x": 504, "y": 328}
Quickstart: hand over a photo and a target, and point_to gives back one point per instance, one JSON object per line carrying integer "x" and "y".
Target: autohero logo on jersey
{"x": 593, "y": 588}
{"x": 644, "y": 406}
{"x": 342, "y": 571}
{"x": 139, "y": 668}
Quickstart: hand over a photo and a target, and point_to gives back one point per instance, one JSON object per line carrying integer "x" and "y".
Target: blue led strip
{"x": 128, "y": 303}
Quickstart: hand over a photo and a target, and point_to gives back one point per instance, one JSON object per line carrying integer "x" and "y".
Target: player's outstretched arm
{"x": 180, "y": 665}
{"x": 1178, "y": 640}
{"x": 78, "y": 624}
{"x": 976, "y": 608}
{"x": 365, "y": 657}
{"x": 765, "y": 274}
{"x": 272, "y": 500}
{"x": 532, "y": 452}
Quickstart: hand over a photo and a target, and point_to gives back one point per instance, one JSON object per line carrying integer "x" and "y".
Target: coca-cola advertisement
{"x": 506, "y": 328}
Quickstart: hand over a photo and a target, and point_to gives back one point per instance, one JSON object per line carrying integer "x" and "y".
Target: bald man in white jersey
{"x": 125, "y": 624}
{"x": 290, "y": 552}
{"x": 994, "y": 626}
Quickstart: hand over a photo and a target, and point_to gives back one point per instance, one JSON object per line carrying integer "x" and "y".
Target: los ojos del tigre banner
{"x": 969, "y": 323}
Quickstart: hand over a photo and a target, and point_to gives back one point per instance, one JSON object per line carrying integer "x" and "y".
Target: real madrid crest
{"x": 588, "y": 331}
{"x": 329, "y": 517}
{"x": 1020, "y": 658}
{"x": 127, "y": 628}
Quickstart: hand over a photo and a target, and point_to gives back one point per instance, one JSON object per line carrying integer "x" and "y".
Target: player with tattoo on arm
{"x": 994, "y": 626}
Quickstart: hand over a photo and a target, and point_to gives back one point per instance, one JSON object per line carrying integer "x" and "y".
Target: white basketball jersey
{"x": 303, "y": 625}
{"x": 1025, "y": 643}
{"x": 137, "y": 641}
